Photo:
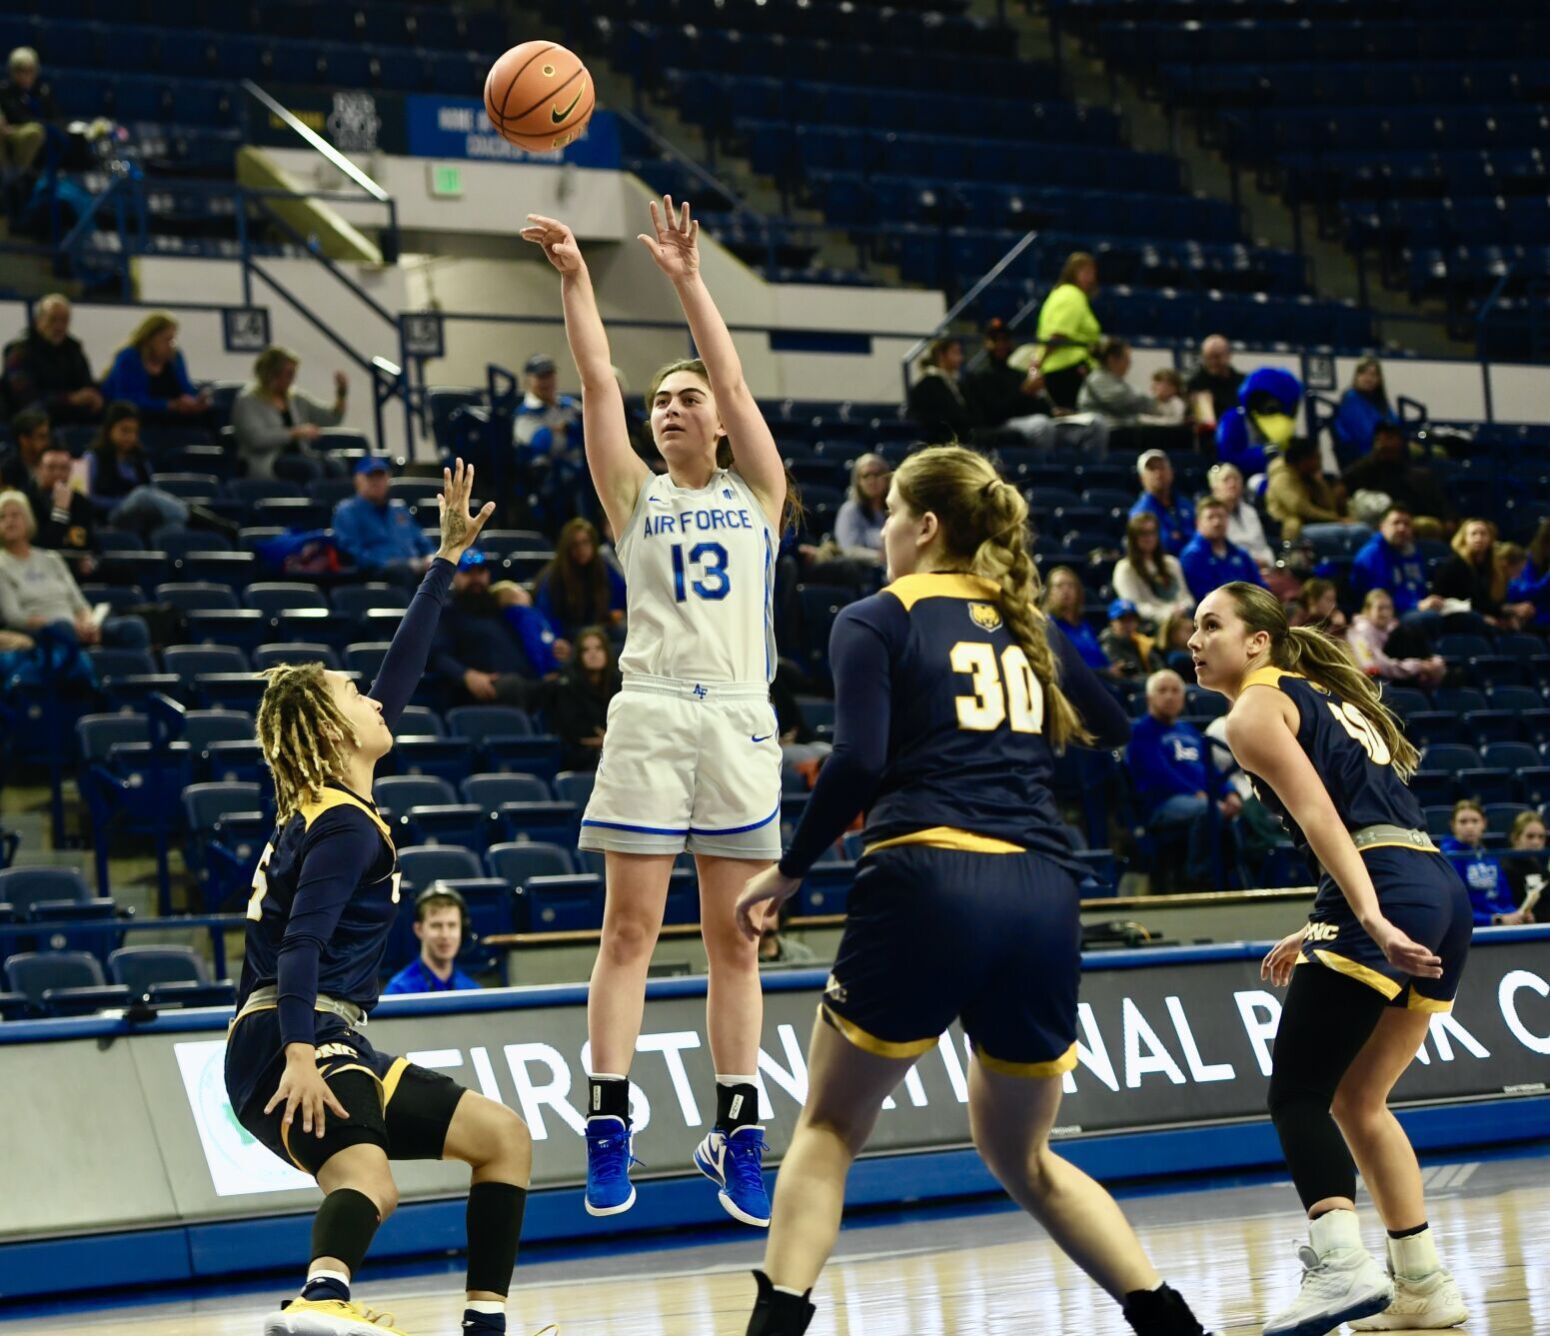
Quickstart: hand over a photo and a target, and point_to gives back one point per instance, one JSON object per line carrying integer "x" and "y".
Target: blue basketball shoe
{"x": 735, "y": 1161}
{"x": 609, "y": 1190}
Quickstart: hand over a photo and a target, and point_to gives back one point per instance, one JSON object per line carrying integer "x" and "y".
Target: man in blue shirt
{"x": 378, "y": 533}
{"x": 1175, "y": 516}
{"x": 441, "y": 923}
{"x": 1209, "y": 559}
{"x": 547, "y": 431}
{"x": 1179, "y": 789}
{"x": 1389, "y": 560}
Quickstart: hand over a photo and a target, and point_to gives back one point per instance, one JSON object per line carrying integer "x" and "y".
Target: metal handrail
{"x": 739, "y": 204}
{"x": 316, "y": 141}
{"x": 1489, "y": 305}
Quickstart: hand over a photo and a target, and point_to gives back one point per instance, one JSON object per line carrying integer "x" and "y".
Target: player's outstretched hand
{"x": 459, "y": 528}
{"x": 556, "y": 241}
{"x": 1403, "y": 954}
{"x": 761, "y": 897}
{"x": 676, "y": 246}
{"x": 1278, "y": 965}
{"x": 302, "y": 1087}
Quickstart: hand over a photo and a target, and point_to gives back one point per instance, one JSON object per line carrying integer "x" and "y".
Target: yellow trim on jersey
{"x": 332, "y": 798}
{"x": 1361, "y": 973}
{"x": 285, "y": 1140}
{"x": 910, "y": 589}
{"x": 1416, "y": 1002}
{"x": 949, "y": 837}
{"x": 1399, "y": 844}
{"x": 1268, "y": 677}
{"x": 870, "y": 1043}
{"x": 391, "y": 1080}
{"x": 1054, "y": 1067}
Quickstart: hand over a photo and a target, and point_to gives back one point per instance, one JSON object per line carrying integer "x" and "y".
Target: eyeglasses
{"x": 875, "y": 473}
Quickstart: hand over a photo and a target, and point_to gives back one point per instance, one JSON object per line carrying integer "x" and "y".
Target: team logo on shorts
{"x": 986, "y": 616}
{"x": 1321, "y": 932}
{"x": 834, "y": 990}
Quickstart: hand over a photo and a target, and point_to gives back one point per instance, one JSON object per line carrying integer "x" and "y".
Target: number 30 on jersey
{"x": 1004, "y": 692}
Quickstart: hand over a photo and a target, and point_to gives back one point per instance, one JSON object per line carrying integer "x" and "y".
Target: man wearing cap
{"x": 1209, "y": 559}
{"x": 547, "y": 432}
{"x": 1175, "y": 516}
{"x": 492, "y": 644}
{"x": 377, "y": 532}
{"x": 1131, "y": 654}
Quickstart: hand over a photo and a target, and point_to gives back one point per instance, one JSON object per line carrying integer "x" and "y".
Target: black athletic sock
{"x": 344, "y": 1227}
{"x": 777, "y": 1313}
{"x": 737, "y": 1104}
{"x": 1410, "y": 1233}
{"x": 494, "y": 1225}
{"x": 608, "y": 1097}
{"x": 1161, "y": 1312}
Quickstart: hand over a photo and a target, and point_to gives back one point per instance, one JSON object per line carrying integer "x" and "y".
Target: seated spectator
{"x": 119, "y": 476}
{"x": 1213, "y": 389}
{"x": 578, "y": 587}
{"x": 26, "y": 111}
{"x": 1389, "y": 560}
{"x": 1167, "y": 397}
{"x": 1063, "y": 598}
{"x": 1209, "y": 559}
{"x": 544, "y": 649}
{"x": 1490, "y": 894}
{"x": 441, "y": 923}
{"x": 1107, "y": 393}
{"x": 378, "y": 532}
{"x": 1148, "y": 577}
{"x": 272, "y": 419}
{"x": 576, "y": 703}
{"x": 47, "y": 369}
{"x": 1173, "y": 644}
{"x": 1362, "y": 407}
{"x": 1476, "y": 574}
{"x": 1244, "y": 526}
{"x": 858, "y": 525}
{"x": 776, "y": 947}
{"x": 1532, "y": 582}
{"x": 1388, "y": 476}
{"x": 1262, "y": 423}
{"x": 999, "y": 392}
{"x": 480, "y": 647}
{"x": 37, "y": 589}
{"x": 1175, "y": 516}
{"x": 1526, "y": 875}
{"x": 1316, "y": 603}
{"x": 1300, "y": 498}
{"x": 547, "y": 432}
{"x": 1369, "y": 641}
{"x": 31, "y": 435}
{"x": 149, "y": 373}
{"x": 936, "y": 399}
{"x": 1068, "y": 331}
{"x": 1129, "y": 651}
{"x": 66, "y": 522}
{"x": 1175, "y": 781}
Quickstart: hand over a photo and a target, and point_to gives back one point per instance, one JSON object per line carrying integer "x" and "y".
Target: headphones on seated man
{"x": 441, "y": 891}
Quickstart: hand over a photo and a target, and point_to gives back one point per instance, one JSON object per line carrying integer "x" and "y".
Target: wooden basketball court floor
{"x": 944, "y": 1272}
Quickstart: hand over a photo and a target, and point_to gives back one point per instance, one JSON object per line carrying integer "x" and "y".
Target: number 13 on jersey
{"x": 1003, "y": 692}
{"x": 714, "y": 582}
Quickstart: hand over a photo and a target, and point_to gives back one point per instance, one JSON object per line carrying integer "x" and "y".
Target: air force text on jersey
{"x": 660, "y": 520}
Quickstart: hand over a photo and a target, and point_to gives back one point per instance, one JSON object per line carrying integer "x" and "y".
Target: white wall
{"x": 1459, "y": 385}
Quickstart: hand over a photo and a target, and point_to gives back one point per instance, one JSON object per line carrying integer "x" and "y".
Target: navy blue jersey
{"x": 940, "y": 728}
{"x": 1350, "y": 755}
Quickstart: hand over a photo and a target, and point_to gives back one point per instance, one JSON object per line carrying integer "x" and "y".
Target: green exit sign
{"x": 446, "y": 180}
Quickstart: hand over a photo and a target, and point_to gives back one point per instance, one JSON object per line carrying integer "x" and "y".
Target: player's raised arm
{"x": 676, "y": 249}
{"x": 617, "y": 471}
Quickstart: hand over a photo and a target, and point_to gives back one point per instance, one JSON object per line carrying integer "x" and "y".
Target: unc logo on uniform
{"x": 1320, "y": 932}
{"x": 986, "y": 616}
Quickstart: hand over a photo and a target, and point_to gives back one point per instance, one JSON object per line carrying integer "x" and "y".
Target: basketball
{"x": 539, "y": 96}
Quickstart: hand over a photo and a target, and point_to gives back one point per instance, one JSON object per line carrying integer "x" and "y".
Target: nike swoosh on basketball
{"x": 765, "y": 738}
{"x": 559, "y": 116}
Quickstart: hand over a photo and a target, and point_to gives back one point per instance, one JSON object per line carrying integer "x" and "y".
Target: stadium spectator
{"x": 1369, "y": 638}
{"x": 1068, "y": 331}
{"x": 440, "y": 923}
{"x": 1252, "y": 433}
{"x": 1175, "y": 516}
{"x": 1168, "y": 406}
{"x": 1244, "y": 526}
{"x": 30, "y": 436}
{"x": 1477, "y": 574}
{"x": 1131, "y": 653}
{"x": 119, "y": 476}
{"x": 996, "y": 390}
{"x": 1300, "y": 498}
{"x": 1209, "y": 559}
{"x": 378, "y": 532}
{"x": 576, "y": 703}
{"x": 1149, "y": 577}
{"x": 858, "y": 526}
{"x": 776, "y": 947}
{"x": 66, "y": 521}
{"x": 1526, "y": 873}
{"x": 47, "y": 368}
{"x": 1362, "y": 407}
{"x": 1389, "y": 560}
{"x": 27, "y": 109}
{"x": 1107, "y": 393}
{"x": 547, "y": 430}
{"x": 1532, "y": 583}
{"x": 1213, "y": 389}
{"x": 1175, "y": 781}
{"x": 578, "y": 587}
{"x": 1315, "y": 604}
{"x": 149, "y": 372}
{"x": 936, "y": 399}
{"x": 1490, "y": 893}
{"x": 1388, "y": 476}
{"x": 1063, "y": 598}
{"x": 491, "y": 642}
{"x": 37, "y": 589}
{"x": 1173, "y": 644}
{"x": 272, "y": 420}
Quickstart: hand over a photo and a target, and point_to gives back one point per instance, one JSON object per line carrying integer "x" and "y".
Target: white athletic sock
{"x": 323, "y": 1273}
{"x": 722, "y": 1079}
{"x": 1335, "y": 1231}
{"x": 786, "y": 1289}
{"x": 1414, "y": 1256}
{"x": 489, "y": 1306}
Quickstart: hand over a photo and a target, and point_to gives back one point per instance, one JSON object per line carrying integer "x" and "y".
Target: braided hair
{"x": 303, "y": 734}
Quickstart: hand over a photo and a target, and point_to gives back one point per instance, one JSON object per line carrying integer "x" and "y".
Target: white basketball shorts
{"x": 688, "y": 765}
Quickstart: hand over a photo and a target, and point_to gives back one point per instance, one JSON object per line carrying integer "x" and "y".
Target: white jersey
{"x": 699, "y": 572}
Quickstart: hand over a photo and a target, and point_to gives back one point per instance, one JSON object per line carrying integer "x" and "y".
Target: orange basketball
{"x": 539, "y": 96}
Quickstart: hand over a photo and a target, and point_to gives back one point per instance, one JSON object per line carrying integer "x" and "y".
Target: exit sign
{"x": 446, "y": 180}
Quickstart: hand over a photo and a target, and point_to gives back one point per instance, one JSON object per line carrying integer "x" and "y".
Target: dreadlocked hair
{"x": 1327, "y": 663}
{"x": 984, "y": 523}
{"x": 302, "y": 733}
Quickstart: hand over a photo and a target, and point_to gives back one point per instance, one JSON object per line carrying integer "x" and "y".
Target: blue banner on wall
{"x": 456, "y": 127}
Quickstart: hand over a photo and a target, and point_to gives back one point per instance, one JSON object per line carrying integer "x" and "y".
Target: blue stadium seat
{"x": 23, "y": 887}
{"x": 394, "y": 795}
{"x": 139, "y": 968}
{"x": 278, "y": 596}
{"x": 563, "y": 904}
{"x": 575, "y": 786}
{"x": 419, "y": 721}
{"x": 355, "y": 600}
{"x": 490, "y": 791}
{"x": 825, "y": 889}
{"x": 275, "y": 656}
{"x": 422, "y": 865}
{"x": 545, "y": 822}
{"x": 516, "y": 862}
{"x": 197, "y": 597}
{"x": 449, "y": 758}
{"x": 44, "y": 975}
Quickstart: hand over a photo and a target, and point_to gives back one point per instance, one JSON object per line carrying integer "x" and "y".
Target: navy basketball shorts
{"x": 1422, "y": 896}
{"x": 937, "y": 935}
{"x": 403, "y": 1108}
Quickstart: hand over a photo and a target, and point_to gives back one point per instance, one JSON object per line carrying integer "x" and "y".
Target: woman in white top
{"x": 1244, "y": 526}
{"x": 692, "y": 757}
{"x": 1148, "y": 576}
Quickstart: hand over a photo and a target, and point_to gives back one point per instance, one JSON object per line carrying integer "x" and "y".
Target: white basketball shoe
{"x": 1426, "y": 1297}
{"x": 1340, "y": 1280}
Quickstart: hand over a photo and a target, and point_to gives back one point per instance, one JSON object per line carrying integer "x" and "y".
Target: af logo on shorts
{"x": 986, "y": 616}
